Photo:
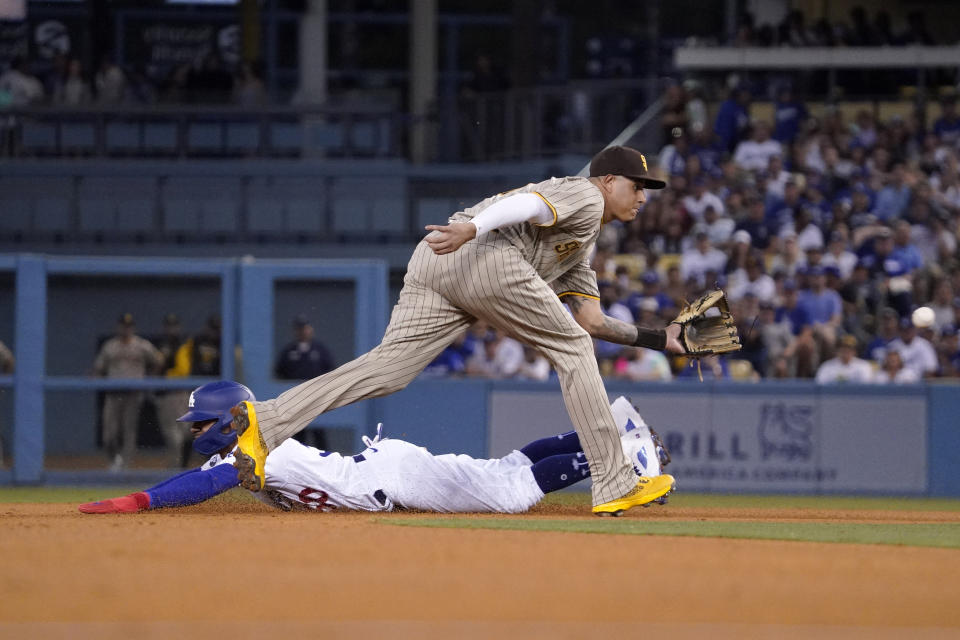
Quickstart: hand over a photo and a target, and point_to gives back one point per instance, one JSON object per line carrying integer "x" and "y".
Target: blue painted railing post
{"x": 230, "y": 316}
{"x": 28, "y": 384}
{"x": 371, "y": 306}
{"x": 256, "y": 326}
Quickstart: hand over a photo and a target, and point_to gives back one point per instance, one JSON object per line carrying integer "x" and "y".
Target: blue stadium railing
{"x": 246, "y": 296}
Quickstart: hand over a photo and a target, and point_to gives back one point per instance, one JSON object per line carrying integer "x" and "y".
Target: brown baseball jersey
{"x": 563, "y": 246}
{"x": 510, "y": 277}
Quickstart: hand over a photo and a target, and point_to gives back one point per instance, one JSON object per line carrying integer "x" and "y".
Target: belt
{"x": 379, "y": 495}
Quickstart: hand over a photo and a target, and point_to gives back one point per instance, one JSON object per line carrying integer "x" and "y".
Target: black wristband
{"x": 651, "y": 339}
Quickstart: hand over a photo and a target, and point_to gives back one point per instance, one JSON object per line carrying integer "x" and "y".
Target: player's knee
{"x": 578, "y": 356}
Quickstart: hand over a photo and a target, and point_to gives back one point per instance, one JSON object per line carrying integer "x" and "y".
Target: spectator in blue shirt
{"x": 894, "y": 197}
{"x": 789, "y": 115}
{"x": 947, "y": 125}
{"x": 651, "y": 289}
{"x": 904, "y": 251}
{"x": 790, "y": 310}
{"x": 733, "y": 118}
{"x": 823, "y": 306}
{"x": 707, "y": 149}
{"x": 755, "y": 223}
{"x": 888, "y": 329}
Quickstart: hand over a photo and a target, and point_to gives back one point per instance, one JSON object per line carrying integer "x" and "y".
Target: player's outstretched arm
{"x": 184, "y": 489}
{"x": 589, "y": 315}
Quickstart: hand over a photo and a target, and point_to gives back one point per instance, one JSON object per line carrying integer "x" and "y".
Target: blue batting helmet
{"x": 213, "y": 401}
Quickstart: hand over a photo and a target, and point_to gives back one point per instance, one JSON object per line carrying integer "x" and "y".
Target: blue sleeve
{"x": 192, "y": 487}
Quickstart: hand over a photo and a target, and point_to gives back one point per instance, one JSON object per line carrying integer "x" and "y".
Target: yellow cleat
{"x": 251, "y": 452}
{"x": 646, "y": 491}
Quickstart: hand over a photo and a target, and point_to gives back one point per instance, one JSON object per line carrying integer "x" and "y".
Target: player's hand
{"x": 125, "y": 504}
{"x": 449, "y": 237}
{"x": 673, "y": 339}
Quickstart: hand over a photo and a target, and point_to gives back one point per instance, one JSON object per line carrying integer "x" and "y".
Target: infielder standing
{"x": 507, "y": 260}
{"x": 389, "y": 474}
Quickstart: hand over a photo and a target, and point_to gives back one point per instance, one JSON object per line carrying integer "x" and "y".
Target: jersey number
{"x": 316, "y": 497}
{"x": 566, "y": 250}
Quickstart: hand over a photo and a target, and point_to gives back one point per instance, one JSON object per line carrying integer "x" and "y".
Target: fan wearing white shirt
{"x": 917, "y": 352}
{"x": 846, "y": 367}
{"x": 754, "y": 154}
{"x": 697, "y": 203}
{"x": 719, "y": 228}
{"x": 892, "y": 371}
{"x": 703, "y": 257}
{"x": 839, "y": 256}
{"x": 751, "y": 279}
{"x": 777, "y": 177}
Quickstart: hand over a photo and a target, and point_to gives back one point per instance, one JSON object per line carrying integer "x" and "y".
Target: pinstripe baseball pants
{"x": 486, "y": 278}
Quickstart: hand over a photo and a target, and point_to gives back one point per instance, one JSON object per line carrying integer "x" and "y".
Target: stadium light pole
{"x": 423, "y": 75}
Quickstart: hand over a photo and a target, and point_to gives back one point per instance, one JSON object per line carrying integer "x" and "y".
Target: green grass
{"x": 579, "y": 499}
{"x": 945, "y": 535}
{"x": 729, "y": 501}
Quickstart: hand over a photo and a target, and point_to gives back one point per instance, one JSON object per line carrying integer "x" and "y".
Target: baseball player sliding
{"x": 509, "y": 260}
{"x": 389, "y": 474}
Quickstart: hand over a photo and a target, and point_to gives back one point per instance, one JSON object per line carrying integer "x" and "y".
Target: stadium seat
{"x": 205, "y": 138}
{"x": 36, "y": 203}
{"x": 363, "y": 137}
{"x": 201, "y": 205}
{"x": 324, "y": 135}
{"x": 369, "y": 205}
{"x": 286, "y": 138}
{"x": 78, "y": 137}
{"x": 304, "y": 203}
{"x": 116, "y": 204}
{"x": 159, "y": 137}
{"x": 243, "y": 138}
{"x": 38, "y": 138}
{"x": 286, "y": 205}
{"x": 16, "y": 205}
{"x": 122, "y": 138}
{"x": 265, "y": 215}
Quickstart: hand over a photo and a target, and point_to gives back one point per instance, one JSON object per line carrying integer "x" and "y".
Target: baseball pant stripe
{"x": 511, "y": 296}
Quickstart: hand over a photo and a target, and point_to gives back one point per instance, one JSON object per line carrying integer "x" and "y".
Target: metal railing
{"x": 201, "y": 131}
{"x": 520, "y": 124}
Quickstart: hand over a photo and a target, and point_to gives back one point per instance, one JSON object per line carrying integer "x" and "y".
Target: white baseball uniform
{"x": 391, "y": 474}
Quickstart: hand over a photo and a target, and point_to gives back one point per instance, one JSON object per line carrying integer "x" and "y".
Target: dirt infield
{"x": 176, "y": 574}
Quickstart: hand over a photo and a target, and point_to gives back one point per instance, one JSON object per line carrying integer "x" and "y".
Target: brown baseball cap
{"x": 624, "y": 161}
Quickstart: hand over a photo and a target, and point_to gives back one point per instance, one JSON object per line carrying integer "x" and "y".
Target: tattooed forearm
{"x": 616, "y": 331}
{"x": 574, "y": 302}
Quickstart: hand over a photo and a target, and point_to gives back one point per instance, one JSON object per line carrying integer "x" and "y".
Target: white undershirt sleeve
{"x": 520, "y": 207}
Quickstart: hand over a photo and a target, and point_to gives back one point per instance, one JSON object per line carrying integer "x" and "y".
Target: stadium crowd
{"x": 826, "y": 234}
{"x": 64, "y": 82}
{"x": 860, "y": 31}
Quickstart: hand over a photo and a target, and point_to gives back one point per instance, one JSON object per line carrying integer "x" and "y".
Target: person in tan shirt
{"x": 126, "y": 355}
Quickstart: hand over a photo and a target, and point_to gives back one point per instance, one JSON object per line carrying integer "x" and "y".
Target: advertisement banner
{"x": 159, "y": 46}
{"x": 40, "y": 39}
{"x": 760, "y": 443}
